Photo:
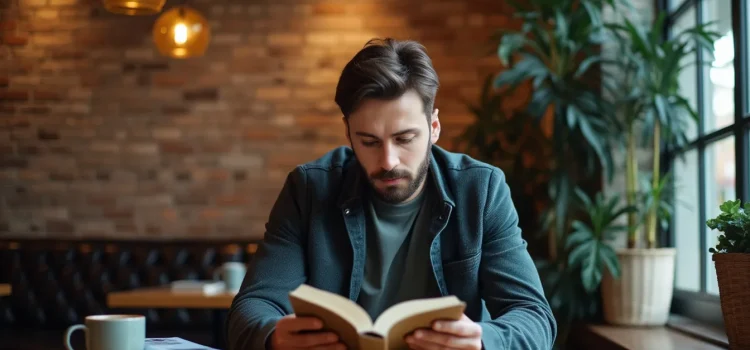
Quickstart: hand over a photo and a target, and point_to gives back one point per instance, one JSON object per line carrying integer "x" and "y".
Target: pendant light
{"x": 181, "y": 32}
{"x": 134, "y": 7}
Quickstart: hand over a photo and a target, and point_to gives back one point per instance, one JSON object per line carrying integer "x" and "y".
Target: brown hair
{"x": 386, "y": 69}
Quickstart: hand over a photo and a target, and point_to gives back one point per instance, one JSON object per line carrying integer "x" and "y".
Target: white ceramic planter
{"x": 642, "y": 295}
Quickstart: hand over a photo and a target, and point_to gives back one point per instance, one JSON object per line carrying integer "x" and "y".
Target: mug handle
{"x": 70, "y": 331}
{"x": 217, "y": 274}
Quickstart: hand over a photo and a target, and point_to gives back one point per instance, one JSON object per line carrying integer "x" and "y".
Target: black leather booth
{"x": 56, "y": 283}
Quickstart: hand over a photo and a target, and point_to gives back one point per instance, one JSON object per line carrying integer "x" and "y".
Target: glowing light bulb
{"x": 180, "y": 33}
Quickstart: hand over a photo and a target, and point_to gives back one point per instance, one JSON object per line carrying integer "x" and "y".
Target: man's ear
{"x": 434, "y": 126}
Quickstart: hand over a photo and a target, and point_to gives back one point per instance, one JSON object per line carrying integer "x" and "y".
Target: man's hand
{"x": 463, "y": 334}
{"x": 302, "y": 333}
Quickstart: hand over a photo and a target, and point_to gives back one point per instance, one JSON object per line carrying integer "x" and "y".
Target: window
{"x": 714, "y": 166}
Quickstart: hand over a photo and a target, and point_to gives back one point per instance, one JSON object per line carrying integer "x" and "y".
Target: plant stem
{"x": 631, "y": 181}
{"x": 651, "y": 222}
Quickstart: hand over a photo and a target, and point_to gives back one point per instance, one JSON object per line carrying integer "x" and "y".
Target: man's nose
{"x": 389, "y": 157}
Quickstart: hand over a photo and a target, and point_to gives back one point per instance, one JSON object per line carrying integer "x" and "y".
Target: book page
{"x": 339, "y": 314}
{"x": 403, "y": 318}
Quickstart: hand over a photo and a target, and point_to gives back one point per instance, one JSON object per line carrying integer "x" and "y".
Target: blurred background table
{"x": 165, "y": 297}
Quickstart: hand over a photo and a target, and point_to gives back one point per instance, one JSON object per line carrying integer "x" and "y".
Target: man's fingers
{"x": 429, "y": 339}
{"x": 307, "y": 340}
{"x": 297, "y": 324}
{"x": 460, "y": 328}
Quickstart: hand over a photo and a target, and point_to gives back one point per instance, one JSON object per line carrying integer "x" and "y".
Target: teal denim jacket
{"x": 316, "y": 235}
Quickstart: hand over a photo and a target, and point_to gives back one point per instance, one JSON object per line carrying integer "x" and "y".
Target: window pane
{"x": 688, "y": 78}
{"x": 718, "y": 90}
{"x": 674, "y": 4}
{"x": 720, "y": 187}
{"x": 686, "y": 230}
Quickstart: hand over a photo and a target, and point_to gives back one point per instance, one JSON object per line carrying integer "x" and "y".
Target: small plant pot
{"x": 643, "y": 293}
{"x": 733, "y": 275}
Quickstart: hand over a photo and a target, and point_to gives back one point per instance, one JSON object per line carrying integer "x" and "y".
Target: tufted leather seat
{"x": 56, "y": 283}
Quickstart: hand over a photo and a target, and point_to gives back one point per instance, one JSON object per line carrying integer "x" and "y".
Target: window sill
{"x": 680, "y": 333}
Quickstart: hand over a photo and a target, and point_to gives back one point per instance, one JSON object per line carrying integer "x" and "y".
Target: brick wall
{"x": 102, "y": 137}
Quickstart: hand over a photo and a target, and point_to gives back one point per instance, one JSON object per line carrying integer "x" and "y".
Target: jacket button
{"x": 347, "y": 211}
{"x": 441, "y": 217}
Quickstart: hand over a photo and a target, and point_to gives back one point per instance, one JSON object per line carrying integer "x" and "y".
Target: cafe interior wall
{"x": 102, "y": 137}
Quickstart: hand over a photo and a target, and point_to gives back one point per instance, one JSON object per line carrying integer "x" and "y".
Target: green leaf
{"x": 561, "y": 24}
{"x": 509, "y": 44}
{"x": 580, "y": 252}
{"x": 596, "y": 142}
{"x": 662, "y": 108}
{"x": 571, "y": 115}
{"x": 511, "y": 77}
{"x": 608, "y": 255}
{"x": 586, "y": 64}
{"x": 593, "y": 12}
{"x": 582, "y": 234}
{"x": 591, "y": 274}
{"x": 540, "y": 101}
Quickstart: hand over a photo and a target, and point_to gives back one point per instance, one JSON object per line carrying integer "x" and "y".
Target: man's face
{"x": 392, "y": 139}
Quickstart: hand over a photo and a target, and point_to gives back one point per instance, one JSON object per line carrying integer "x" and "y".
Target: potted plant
{"x": 656, "y": 115}
{"x": 553, "y": 56}
{"x": 731, "y": 256}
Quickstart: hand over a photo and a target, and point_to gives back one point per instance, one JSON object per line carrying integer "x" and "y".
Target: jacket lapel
{"x": 351, "y": 208}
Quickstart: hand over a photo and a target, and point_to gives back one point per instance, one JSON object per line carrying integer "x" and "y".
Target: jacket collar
{"x": 352, "y": 190}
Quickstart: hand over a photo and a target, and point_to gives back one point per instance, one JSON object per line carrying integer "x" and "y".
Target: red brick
{"x": 162, "y": 79}
{"x": 218, "y": 174}
{"x": 175, "y": 147}
{"x": 217, "y": 147}
{"x": 327, "y": 8}
{"x": 113, "y": 213}
{"x": 211, "y": 214}
{"x": 42, "y": 95}
{"x": 261, "y": 134}
{"x": 14, "y": 40}
{"x": 233, "y": 200}
{"x": 60, "y": 226}
{"x": 14, "y": 95}
{"x": 63, "y": 2}
{"x": 7, "y": 25}
{"x": 199, "y": 230}
{"x": 169, "y": 214}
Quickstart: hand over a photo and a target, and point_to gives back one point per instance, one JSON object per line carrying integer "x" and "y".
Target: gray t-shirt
{"x": 397, "y": 265}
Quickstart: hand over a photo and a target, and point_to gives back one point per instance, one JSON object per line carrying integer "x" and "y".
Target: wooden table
{"x": 164, "y": 297}
{"x": 4, "y": 289}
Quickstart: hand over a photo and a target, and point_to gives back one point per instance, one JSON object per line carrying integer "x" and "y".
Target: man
{"x": 393, "y": 218}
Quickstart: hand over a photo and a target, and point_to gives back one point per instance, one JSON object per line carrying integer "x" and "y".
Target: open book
{"x": 354, "y": 326}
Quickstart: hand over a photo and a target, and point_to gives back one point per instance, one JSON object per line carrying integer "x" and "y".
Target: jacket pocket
{"x": 462, "y": 278}
{"x": 462, "y": 265}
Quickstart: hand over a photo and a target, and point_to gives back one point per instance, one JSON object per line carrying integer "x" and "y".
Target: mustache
{"x": 390, "y": 174}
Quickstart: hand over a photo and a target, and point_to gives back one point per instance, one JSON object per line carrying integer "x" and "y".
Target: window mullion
{"x": 701, "y": 159}
{"x": 740, "y": 28}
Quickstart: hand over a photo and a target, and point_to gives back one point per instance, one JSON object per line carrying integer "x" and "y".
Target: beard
{"x": 400, "y": 192}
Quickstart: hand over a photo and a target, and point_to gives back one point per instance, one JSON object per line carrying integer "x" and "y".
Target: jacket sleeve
{"x": 276, "y": 268}
{"x": 510, "y": 284}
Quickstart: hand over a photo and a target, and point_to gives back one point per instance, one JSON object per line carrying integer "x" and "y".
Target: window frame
{"x": 702, "y": 306}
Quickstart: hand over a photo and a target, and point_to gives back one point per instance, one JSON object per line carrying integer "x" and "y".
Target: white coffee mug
{"x": 232, "y": 273}
{"x": 111, "y": 332}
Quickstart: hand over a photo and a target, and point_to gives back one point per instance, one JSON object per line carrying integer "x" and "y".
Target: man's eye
{"x": 369, "y": 143}
{"x": 406, "y": 140}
